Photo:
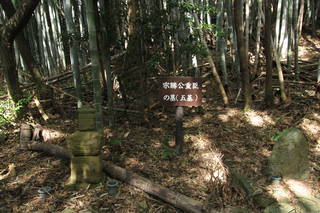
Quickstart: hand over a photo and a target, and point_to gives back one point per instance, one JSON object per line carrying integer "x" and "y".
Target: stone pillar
{"x": 87, "y": 119}
{"x": 85, "y": 147}
{"x": 25, "y": 135}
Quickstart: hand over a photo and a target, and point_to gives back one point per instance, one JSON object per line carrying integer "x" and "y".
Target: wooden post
{"x": 179, "y": 92}
{"x": 179, "y": 134}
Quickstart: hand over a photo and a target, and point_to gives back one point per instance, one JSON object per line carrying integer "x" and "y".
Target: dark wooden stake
{"x": 179, "y": 129}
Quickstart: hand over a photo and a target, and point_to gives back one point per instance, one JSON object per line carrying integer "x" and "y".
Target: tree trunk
{"x": 300, "y": 18}
{"x": 290, "y": 35}
{"x": 29, "y": 61}
{"x": 8, "y": 68}
{"x": 93, "y": 43}
{"x": 243, "y": 54}
{"x": 107, "y": 57}
{"x": 221, "y": 45}
{"x": 268, "y": 93}
{"x": 51, "y": 34}
{"x": 132, "y": 77}
{"x": 233, "y": 40}
{"x": 280, "y": 73}
{"x": 8, "y": 32}
{"x": 258, "y": 35}
{"x": 247, "y": 26}
{"x": 318, "y": 73}
{"x": 296, "y": 37}
{"x": 63, "y": 28}
{"x": 74, "y": 49}
{"x": 211, "y": 62}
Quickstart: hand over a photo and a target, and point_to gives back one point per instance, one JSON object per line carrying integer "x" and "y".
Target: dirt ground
{"x": 217, "y": 139}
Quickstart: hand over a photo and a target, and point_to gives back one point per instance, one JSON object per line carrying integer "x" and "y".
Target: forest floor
{"x": 218, "y": 139}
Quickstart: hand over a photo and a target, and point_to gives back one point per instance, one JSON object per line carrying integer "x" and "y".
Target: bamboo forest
{"x": 160, "y": 106}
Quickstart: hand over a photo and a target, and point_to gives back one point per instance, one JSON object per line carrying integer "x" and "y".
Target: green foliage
{"x": 194, "y": 47}
{"x": 143, "y": 207}
{"x": 22, "y": 103}
{"x": 189, "y": 42}
{"x": 9, "y": 110}
{"x": 187, "y": 6}
{"x": 116, "y": 141}
{"x": 76, "y": 36}
{"x": 246, "y": 110}
{"x": 165, "y": 140}
{"x": 275, "y": 136}
{"x": 278, "y": 119}
{"x": 154, "y": 60}
{"x": 167, "y": 151}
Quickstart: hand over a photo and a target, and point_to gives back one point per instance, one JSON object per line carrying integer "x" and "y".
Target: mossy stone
{"x": 84, "y": 143}
{"x": 86, "y": 169}
{"x": 290, "y": 155}
{"x": 91, "y": 115}
{"x": 279, "y": 208}
{"x": 87, "y": 118}
{"x": 87, "y": 124}
{"x": 308, "y": 203}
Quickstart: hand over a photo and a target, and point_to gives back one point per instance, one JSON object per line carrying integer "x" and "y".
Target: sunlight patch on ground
{"x": 298, "y": 187}
{"x": 201, "y": 142}
{"x": 289, "y": 189}
{"x": 215, "y": 169}
{"x": 196, "y": 121}
{"x": 210, "y": 160}
{"x": 303, "y": 52}
{"x": 133, "y": 162}
{"x": 280, "y": 192}
{"x": 265, "y": 152}
{"x": 310, "y": 92}
{"x": 228, "y": 115}
{"x": 156, "y": 143}
{"x": 259, "y": 119}
{"x": 311, "y": 128}
{"x": 316, "y": 116}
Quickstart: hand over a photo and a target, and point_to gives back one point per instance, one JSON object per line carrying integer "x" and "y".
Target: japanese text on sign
{"x": 181, "y": 91}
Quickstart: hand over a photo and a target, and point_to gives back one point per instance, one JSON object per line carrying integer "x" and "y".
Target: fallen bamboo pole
{"x": 174, "y": 198}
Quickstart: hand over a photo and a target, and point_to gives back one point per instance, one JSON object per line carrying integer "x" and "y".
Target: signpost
{"x": 179, "y": 92}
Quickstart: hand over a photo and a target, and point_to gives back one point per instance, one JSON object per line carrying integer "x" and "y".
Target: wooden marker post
{"x": 179, "y": 92}
{"x": 179, "y": 128}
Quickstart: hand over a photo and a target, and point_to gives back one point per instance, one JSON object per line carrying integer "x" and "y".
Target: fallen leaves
{"x": 10, "y": 172}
